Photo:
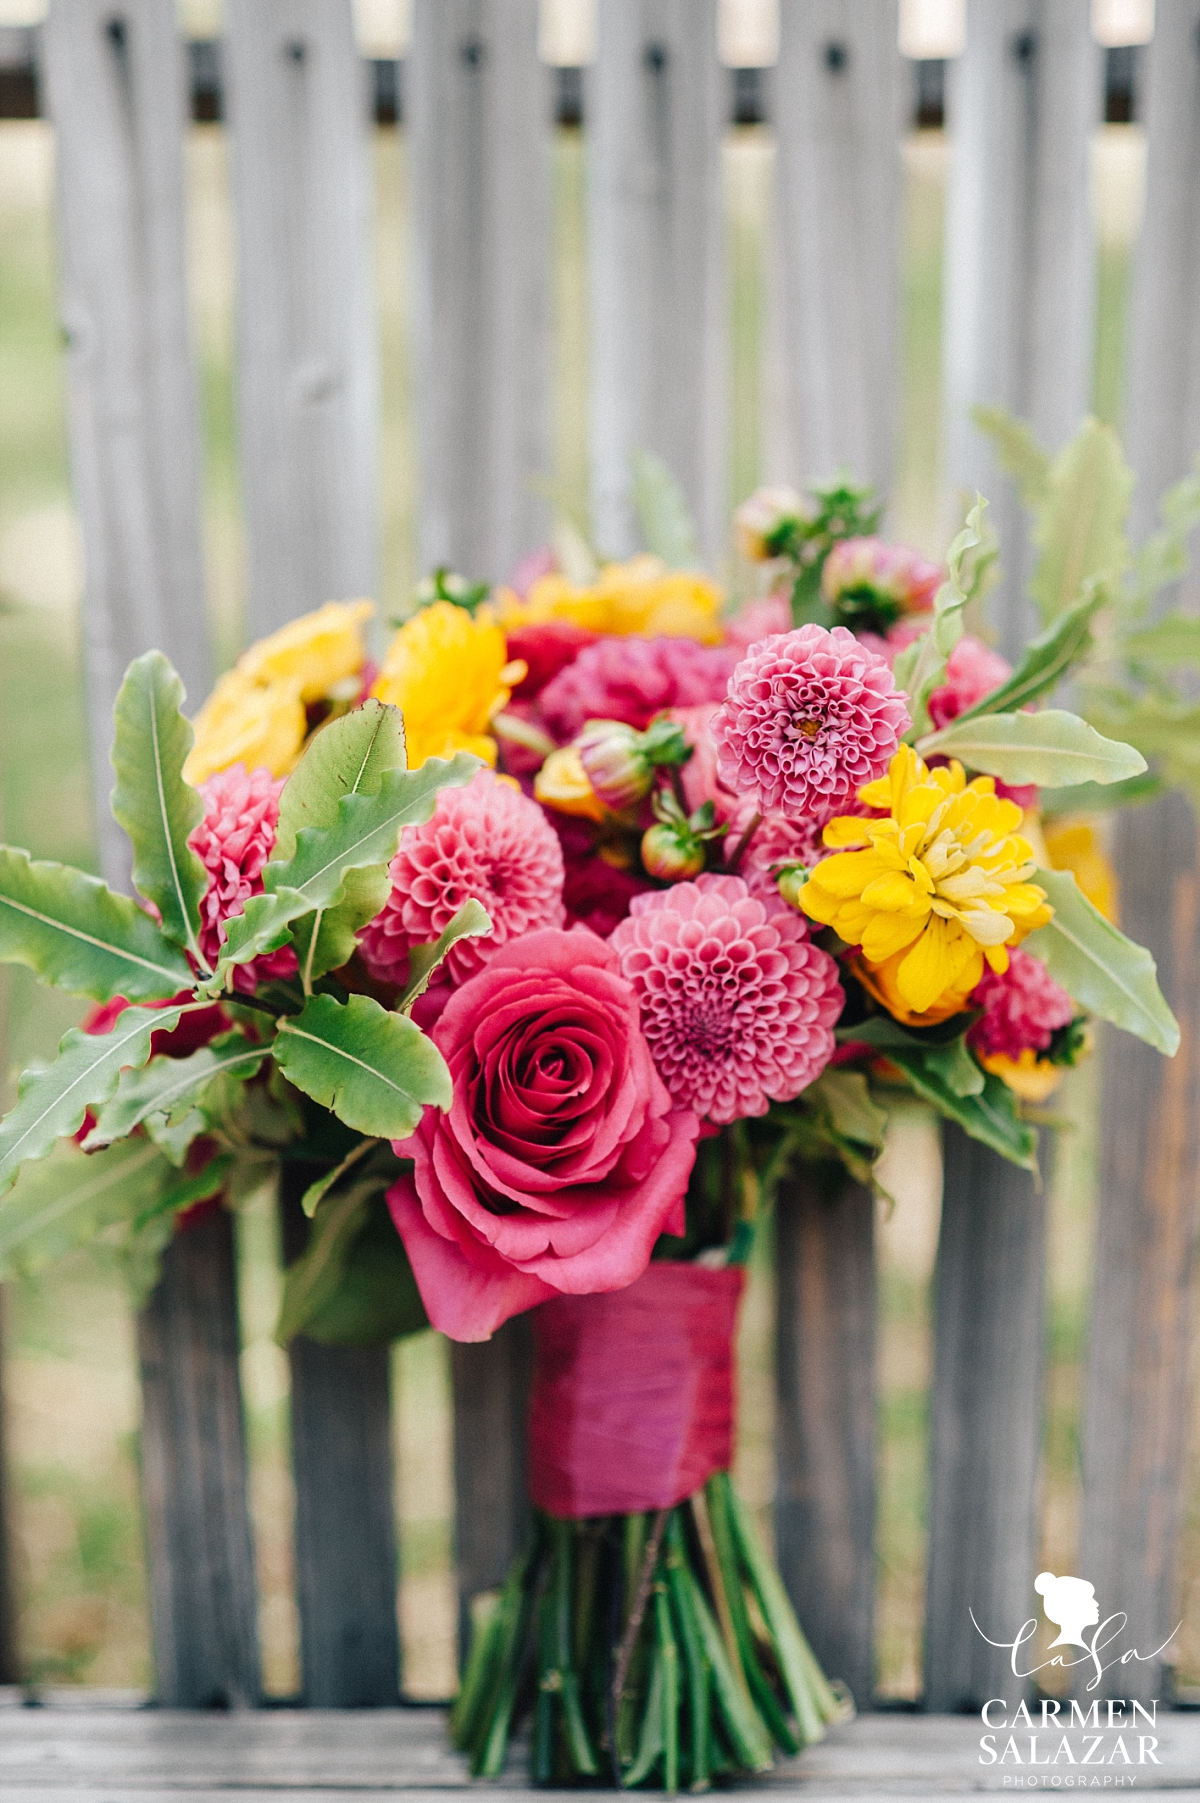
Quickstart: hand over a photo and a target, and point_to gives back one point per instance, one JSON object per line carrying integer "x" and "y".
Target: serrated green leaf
{"x": 1018, "y": 452}
{"x": 471, "y": 922}
{"x": 1050, "y": 748}
{"x": 1170, "y": 642}
{"x": 151, "y": 801}
{"x": 162, "y": 1085}
{"x": 989, "y": 1116}
{"x": 662, "y": 510}
{"x": 1099, "y": 967}
{"x": 1094, "y": 798}
{"x": 365, "y": 834}
{"x": 52, "y": 1102}
{"x": 353, "y": 1284}
{"x": 920, "y": 667}
{"x": 1047, "y": 659}
{"x": 1080, "y": 527}
{"x": 66, "y": 1199}
{"x": 1163, "y": 558}
{"x": 376, "y": 1071}
{"x": 82, "y": 937}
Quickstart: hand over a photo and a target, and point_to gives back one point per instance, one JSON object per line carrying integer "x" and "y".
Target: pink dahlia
{"x": 1024, "y": 1007}
{"x": 894, "y": 575}
{"x": 778, "y": 841}
{"x": 758, "y": 620}
{"x": 488, "y": 841}
{"x": 738, "y": 1006}
{"x": 234, "y": 841}
{"x": 973, "y": 670}
{"x": 810, "y": 716}
{"x": 632, "y": 679}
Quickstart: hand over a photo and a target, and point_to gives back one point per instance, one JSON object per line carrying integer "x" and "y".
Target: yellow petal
{"x": 888, "y": 933}
{"x": 1030, "y": 1077}
{"x": 940, "y": 957}
{"x": 848, "y": 872}
{"x": 847, "y": 829}
{"x": 893, "y": 892}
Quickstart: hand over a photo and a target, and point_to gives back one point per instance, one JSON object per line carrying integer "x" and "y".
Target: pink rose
{"x": 562, "y": 1158}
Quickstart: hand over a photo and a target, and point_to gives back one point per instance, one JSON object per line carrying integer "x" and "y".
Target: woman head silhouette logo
{"x": 1070, "y": 1603}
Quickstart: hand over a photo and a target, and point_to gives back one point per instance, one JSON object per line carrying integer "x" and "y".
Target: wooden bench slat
{"x": 986, "y": 1422}
{"x": 8, "y": 1617}
{"x": 491, "y": 1398}
{"x": 825, "y": 1417}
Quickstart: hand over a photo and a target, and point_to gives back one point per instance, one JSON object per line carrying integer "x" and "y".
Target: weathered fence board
{"x": 8, "y": 1619}
{"x": 203, "y": 1604}
{"x": 345, "y": 1527}
{"x": 479, "y": 113}
{"x": 1020, "y": 270}
{"x": 836, "y": 100}
{"x": 825, "y": 1417}
{"x": 657, "y": 101}
{"x": 115, "y": 78}
{"x": 307, "y": 364}
{"x": 986, "y": 1422}
{"x": 491, "y": 1390}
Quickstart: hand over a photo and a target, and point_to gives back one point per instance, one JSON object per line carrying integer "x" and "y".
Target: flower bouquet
{"x": 549, "y": 943}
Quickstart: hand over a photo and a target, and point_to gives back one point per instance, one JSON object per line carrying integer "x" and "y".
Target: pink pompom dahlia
{"x": 1021, "y": 1009}
{"x": 632, "y": 679}
{"x": 738, "y": 1007}
{"x": 488, "y": 841}
{"x": 973, "y": 670}
{"x": 810, "y": 717}
{"x": 234, "y": 841}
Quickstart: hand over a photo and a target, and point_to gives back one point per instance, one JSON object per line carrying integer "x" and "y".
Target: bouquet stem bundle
{"x": 660, "y": 1647}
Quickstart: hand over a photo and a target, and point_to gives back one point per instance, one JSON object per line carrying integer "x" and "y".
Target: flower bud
{"x": 562, "y": 784}
{"x": 790, "y": 882}
{"x": 671, "y": 853}
{"x": 615, "y": 763}
{"x": 759, "y": 523}
{"x": 871, "y": 583}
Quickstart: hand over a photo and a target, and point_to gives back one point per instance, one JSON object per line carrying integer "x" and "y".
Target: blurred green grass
{"x": 70, "y": 1372}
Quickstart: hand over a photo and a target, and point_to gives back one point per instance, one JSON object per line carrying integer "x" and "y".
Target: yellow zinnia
{"x": 1073, "y": 844}
{"x": 641, "y": 595}
{"x": 942, "y": 884}
{"x": 449, "y": 675}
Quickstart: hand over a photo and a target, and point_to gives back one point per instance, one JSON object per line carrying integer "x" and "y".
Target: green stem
{"x": 650, "y": 1742}
{"x": 764, "y": 1696}
{"x": 749, "y": 1738}
{"x": 695, "y": 1665}
{"x": 668, "y": 1653}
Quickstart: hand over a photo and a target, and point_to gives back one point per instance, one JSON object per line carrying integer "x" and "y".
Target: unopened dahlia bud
{"x": 562, "y": 784}
{"x": 870, "y": 583}
{"x": 762, "y": 523}
{"x": 790, "y": 882}
{"x": 620, "y": 762}
{"x": 671, "y": 853}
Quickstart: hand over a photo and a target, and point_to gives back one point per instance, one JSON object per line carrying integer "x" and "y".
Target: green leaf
{"x": 1080, "y": 527}
{"x": 52, "y": 1102}
{"x": 1018, "y": 452}
{"x": 365, "y": 834}
{"x": 953, "y": 1065}
{"x": 1170, "y": 642}
{"x": 1093, "y": 798}
{"x": 82, "y": 937}
{"x": 920, "y": 667}
{"x": 846, "y": 1097}
{"x": 353, "y": 1284}
{"x": 1163, "y": 558}
{"x": 1047, "y": 659}
{"x": 316, "y": 1192}
{"x": 471, "y": 922}
{"x": 152, "y": 802}
{"x": 1052, "y": 747}
{"x": 662, "y": 511}
{"x": 1099, "y": 967}
{"x": 69, "y": 1197}
{"x": 162, "y": 1085}
{"x": 376, "y": 1071}
{"x": 989, "y": 1116}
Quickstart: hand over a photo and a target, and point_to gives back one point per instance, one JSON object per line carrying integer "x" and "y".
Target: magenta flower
{"x": 488, "y": 841}
{"x": 973, "y": 670}
{"x": 738, "y": 1006}
{"x": 810, "y": 716}
{"x": 758, "y": 620}
{"x": 778, "y": 841}
{"x": 632, "y": 679}
{"x": 234, "y": 841}
{"x": 1024, "y": 1007}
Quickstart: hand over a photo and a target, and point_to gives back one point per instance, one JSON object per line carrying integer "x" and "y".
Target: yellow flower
{"x": 562, "y": 784}
{"x": 256, "y": 714}
{"x": 641, "y": 595}
{"x": 944, "y": 881}
{"x": 1030, "y": 1077}
{"x": 449, "y": 675}
{"x": 1072, "y": 844}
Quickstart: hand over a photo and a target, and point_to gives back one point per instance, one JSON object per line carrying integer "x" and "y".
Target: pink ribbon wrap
{"x": 632, "y": 1402}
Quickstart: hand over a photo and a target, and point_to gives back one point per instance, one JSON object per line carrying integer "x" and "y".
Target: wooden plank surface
{"x": 1022, "y": 102}
{"x": 478, "y": 116}
{"x": 203, "y": 1604}
{"x": 657, "y": 100}
{"x": 825, "y": 1417}
{"x": 345, "y": 1528}
{"x": 86, "y": 1755}
{"x": 307, "y": 364}
{"x": 986, "y": 1422}
{"x": 836, "y": 105}
{"x": 491, "y": 1399}
{"x": 8, "y": 1619}
{"x": 115, "y": 82}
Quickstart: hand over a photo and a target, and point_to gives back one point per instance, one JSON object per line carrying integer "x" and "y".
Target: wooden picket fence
{"x": 1022, "y": 103}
